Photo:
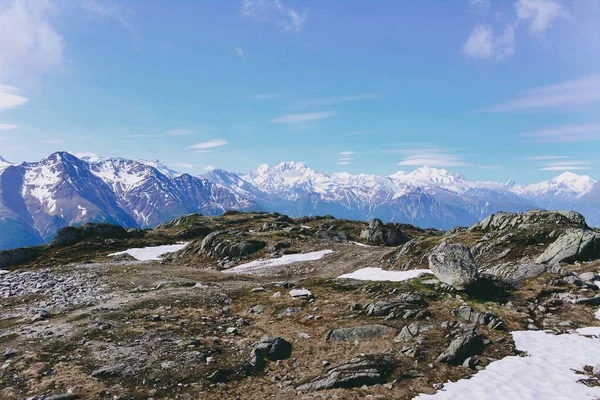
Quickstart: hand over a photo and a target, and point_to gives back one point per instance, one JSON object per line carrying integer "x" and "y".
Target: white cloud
{"x": 479, "y": 4}
{"x": 301, "y": 118}
{"x": 181, "y": 132}
{"x": 565, "y": 166}
{"x": 29, "y": 44}
{"x": 8, "y": 98}
{"x": 540, "y": 14}
{"x": 208, "y": 145}
{"x": 347, "y": 153}
{"x": 209, "y": 168}
{"x": 52, "y": 141}
{"x": 482, "y": 44}
{"x": 88, "y": 156}
{"x": 544, "y": 158}
{"x": 239, "y": 51}
{"x": 342, "y": 162}
{"x": 433, "y": 158}
{"x": 275, "y": 11}
{"x": 566, "y": 133}
{"x": 181, "y": 165}
{"x": 567, "y": 94}
{"x": 145, "y": 136}
{"x": 7, "y": 127}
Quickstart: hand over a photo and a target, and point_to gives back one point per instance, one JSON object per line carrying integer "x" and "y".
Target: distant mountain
{"x": 37, "y": 199}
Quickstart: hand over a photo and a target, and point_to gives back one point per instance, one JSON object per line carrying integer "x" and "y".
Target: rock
{"x": 258, "y": 290}
{"x": 273, "y": 226}
{"x": 301, "y": 294}
{"x": 231, "y": 330}
{"x": 70, "y": 235}
{"x": 257, "y": 309}
{"x": 289, "y": 311}
{"x": 514, "y": 274}
{"x": 219, "y": 375}
{"x": 384, "y": 235}
{"x": 453, "y": 265}
{"x": 272, "y": 348}
{"x": 507, "y": 220}
{"x": 276, "y": 295}
{"x": 242, "y": 322}
{"x": 64, "y": 396}
{"x": 304, "y": 335}
{"x": 364, "y": 370}
{"x": 465, "y": 344}
{"x": 589, "y": 276}
{"x": 411, "y": 331}
{"x": 210, "y": 360}
{"x": 12, "y": 257}
{"x": 488, "y": 319}
{"x": 111, "y": 371}
{"x": 596, "y": 369}
{"x": 397, "y": 306}
{"x": 357, "y": 332}
{"x": 571, "y": 246}
{"x": 231, "y": 244}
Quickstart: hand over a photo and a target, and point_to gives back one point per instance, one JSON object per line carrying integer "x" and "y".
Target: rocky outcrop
{"x": 70, "y": 235}
{"x": 506, "y": 221}
{"x": 364, "y": 370}
{"x": 465, "y": 344}
{"x": 271, "y": 348}
{"x": 453, "y": 265}
{"x": 9, "y": 258}
{"x": 220, "y": 244}
{"x": 406, "y": 305}
{"x": 379, "y": 234}
{"x": 357, "y": 332}
{"x": 488, "y": 319}
{"x": 411, "y": 331}
{"x": 571, "y": 246}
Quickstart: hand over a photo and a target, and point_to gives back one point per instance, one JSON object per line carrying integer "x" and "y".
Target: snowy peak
{"x": 161, "y": 167}
{"x": 428, "y": 176}
{"x": 574, "y": 182}
{"x": 567, "y": 184}
{"x": 4, "y": 164}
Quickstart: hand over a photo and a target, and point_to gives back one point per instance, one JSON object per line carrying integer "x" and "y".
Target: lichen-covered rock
{"x": 508, "y": 220}
{"x": 357, "y": 332}
{"x": 453, "y": 265}
{"x": 465, "y": 344}
{"x": 230, "y": 244}
{"x": 488, "y": 319}
{"x": 571, "y": 246}
{"x": 368, "y": 369}
{"x": 384, "y": 235}
{"x": 514, "y": 274}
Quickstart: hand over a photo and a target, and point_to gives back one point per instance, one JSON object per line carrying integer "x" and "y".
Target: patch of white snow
{"x": 378, "y": 274}
{"x": 258, "y": 265}
{"x": 151, "y": 253}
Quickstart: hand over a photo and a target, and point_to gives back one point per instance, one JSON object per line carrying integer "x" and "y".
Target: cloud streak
{"x": 7, "y": 127}
{"x": 564, "y": 95}
{"x": 208, "y": 145}
{"x": 274, "y": 11}
{"x": 566, "y": 133}
{"x": 303, "y": 118}
{"x": 565, "y": 166}
{"x": 8, "y": 98}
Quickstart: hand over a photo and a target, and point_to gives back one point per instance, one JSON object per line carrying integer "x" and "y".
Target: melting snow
{"x": 152, "y": 253}
{"x": 548, "y": 372}
{"x": 378, "y": 274}
{"x": 258, "y": 265}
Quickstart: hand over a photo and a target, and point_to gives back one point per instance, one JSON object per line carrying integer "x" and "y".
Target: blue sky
{"x": 491, "y": 89}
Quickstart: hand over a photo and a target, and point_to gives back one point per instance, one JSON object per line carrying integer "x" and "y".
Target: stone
{"x": 396, "y": 306}
{"x": 514, "y": 274}
{"x": 289, "y": 311}
{"x": 465, "y": 344}
{"x": 360, "y": 371}
{"x": 273, "y": 348}
{"x": 453, "y": 264}
{"x": 573, "y": 245}
{"x": 231, "y": 330}
{"x": 301, "y": 294}
{"x": 411, "y": 331}
{"x": 379, "y": 234}
{"x": 111, "y": 371}
{"x": 64, "y": 396}
{"x": 589, "y": 276}
{"x": 357, "y": 332}
{"x": 488, "y": 319}
{"x": 257, "y": 309}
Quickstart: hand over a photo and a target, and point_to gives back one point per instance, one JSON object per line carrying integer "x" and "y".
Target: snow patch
{"x": 151, "y": 253}
{"x": 378, "y": 274}
{"x": 257, "y": 265}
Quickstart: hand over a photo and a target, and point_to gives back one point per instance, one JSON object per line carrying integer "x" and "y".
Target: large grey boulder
{"x": 357, "y": 332}
{"x": 230, "y": 244}
{"x": 411, "y": 331}
{"x": 488, "y": 319}
{"x": 571, "y": 246}
{"x": 465, "y": 344}
{"x": 384, "y": 235}
{"x": 453, "y": 264}
{"x": 368, "y": 369}
{"x": 514, "y": 274}
{"x": 508, "y": 220}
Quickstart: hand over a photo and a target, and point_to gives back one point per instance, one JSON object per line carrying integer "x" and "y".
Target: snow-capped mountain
{"x": 37, "y": 199}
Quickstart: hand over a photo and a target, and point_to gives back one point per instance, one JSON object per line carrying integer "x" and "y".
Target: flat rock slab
{"x": 357, "y": 332}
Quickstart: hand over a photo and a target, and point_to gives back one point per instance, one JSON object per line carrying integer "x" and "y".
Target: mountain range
{"x": 39, "y": 198}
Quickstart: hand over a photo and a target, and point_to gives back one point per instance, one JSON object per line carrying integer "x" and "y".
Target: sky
{"x": 487, "y": 88}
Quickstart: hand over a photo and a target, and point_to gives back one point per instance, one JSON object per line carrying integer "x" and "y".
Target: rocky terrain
{"x": 261, "y": 305}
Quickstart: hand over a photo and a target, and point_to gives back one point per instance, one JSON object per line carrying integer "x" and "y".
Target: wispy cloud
{"x": 433, "y": 158}
{"x": 182, "y": 165}
{"x": 544, "y": 158}
{"x": 181, "y": 132}
{"x": 302, "y": 118}
{"x": 29, "y": 44}
{"x": 208, "y": 145}
{"x": 288, "y": 19}
{"x": 347, "y": 153}
{"x": 8, "y": 97}
{"x": 239, "y": 51}
{"x": 342, "y": 162}
{"x": 565, "y": 166}
{"x": 145, "y": 136}
{"x": 329, "y": 101}
{"x": 484, "y": 45}
{"x": 566, "y": 133}
{"x": 540, "y": 14}
{"x": 7, "y": 127}
{"x": 564, "y": 95}
{"x": 209, "y": 168}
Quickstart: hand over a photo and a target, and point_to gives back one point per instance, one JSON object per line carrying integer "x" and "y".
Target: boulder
{"x": 453, "y": 265}
{"x": 368, "y": 369}
{"x": 300, "y": 294}
{"x": 411, "y": 331}
{"x": 465, "y": 344}
{"x": 514, "y": 274}
{"x": 397, "y": 306}
{"x": 508, "y": 220}
{"x": 230, "y": 244}
{"x": 357, "y": 332}
{"x": 270, "y": 347}
{"x": 571, "y": 246}
{"x": 384, "y": 235}
{"x": 488, "y": 319}
{"x": 70, "y": 235}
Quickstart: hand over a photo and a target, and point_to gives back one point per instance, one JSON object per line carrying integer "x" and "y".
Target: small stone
{"x": 304, "y": 335}
{"x": 258, "y": 290}
{"x": 301, "y": 294}
{"x": 257, "y": 309}
{"x": 276, "y": 295}
{"x": 210, "y": 360}
{"x": 231, "y": 331}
